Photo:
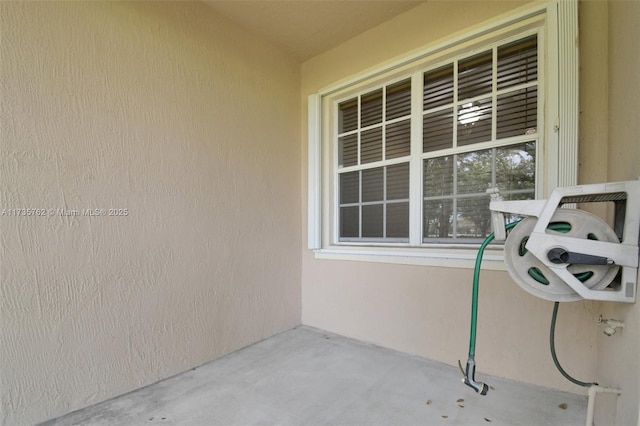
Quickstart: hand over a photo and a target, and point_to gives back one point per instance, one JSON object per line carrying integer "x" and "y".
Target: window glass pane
{"x": 371, "y": 105}
{"x": 474, "y": 172}
{"x": 398, "y": 181}
{"x": 474, "y": 122}
{"x": 515, "y": 167}
{"x": 398, "y": 139}
{"x": 372, "y": 221}
{"x": 349, "y": 187}
{"x": 349, "y": 221}
{"x": 475, "y": 75}
{"x": 517, "y": 113}
{"x": 398, "y": 220}
{"x": 398, "y": 99}
{"x": 474, "y": 217}
{"x": 348, "y": 115}
{"x": 438, "y": 176}
{"x": 518, "y": 196}
{"x": 371, "y": 145}
{"x": 348, "y": 150}
{"x": 437, "y": 218}
{"x": 437, "y": 130}
{"x": 518, "y": 62}
{"x": 438, "y": 87}
{"x": 372, "y": 184}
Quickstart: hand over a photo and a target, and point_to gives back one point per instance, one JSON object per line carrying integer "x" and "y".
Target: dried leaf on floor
{"x": 445, "y": 417}
{"x": 487, "y": 420}
{"x": 563, "y": 406}
{"x": 428, "y": 402}
{"x": 460, "y": 400}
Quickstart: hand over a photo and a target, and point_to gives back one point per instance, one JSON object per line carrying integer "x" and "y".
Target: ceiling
{"x": 305, "y": 28}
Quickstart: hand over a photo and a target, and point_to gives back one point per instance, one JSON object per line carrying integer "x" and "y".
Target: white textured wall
{"x": 425, "y": 310}
{"x": 190, "y": 124}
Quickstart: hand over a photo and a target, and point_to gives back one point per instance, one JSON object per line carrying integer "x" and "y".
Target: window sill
{"x": 493, "y": 258}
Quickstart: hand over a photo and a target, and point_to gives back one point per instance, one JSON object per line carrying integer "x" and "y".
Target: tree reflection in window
{"x": 456, "y": 205}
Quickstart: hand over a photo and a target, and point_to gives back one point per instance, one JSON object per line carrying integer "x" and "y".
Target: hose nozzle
{"x": 469, "y": 377}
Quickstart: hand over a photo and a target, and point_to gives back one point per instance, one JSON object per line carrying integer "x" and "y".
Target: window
{"x": 408, "y": 151}
{"x": 374, "y": 147}
{"x": 487, "y": 98}
{"x": 471, "y": 103}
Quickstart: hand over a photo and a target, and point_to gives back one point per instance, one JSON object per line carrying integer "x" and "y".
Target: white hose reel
{"x": 562, "y": 254}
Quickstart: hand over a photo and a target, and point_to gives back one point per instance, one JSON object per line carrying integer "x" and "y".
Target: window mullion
{"x": 415, "y": 163}
{"x": 494, "y": 153}
{"x": 384, "y": 124}
{"x": 360, "y": 204}
{"x": 455, "y": 104}
{"x": 359, "y": 140}
{"x": 494, "y": 96}
{"x": 384, "y": 202}
{"x": 454, "y": 222}
{"x": 454, "y": 158}
{"x": 359, "y": 161}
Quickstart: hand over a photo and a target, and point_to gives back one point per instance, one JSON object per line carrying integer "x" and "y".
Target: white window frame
{"x": 557, "y": 132}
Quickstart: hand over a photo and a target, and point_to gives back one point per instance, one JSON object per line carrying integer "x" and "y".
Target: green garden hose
{"x": 552, "y": 344}
{"x": 469, "y": 372}
{"x": 476, "y": 286}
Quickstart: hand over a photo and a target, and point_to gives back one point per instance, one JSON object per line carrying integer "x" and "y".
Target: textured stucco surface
{"x": 425, "y": 310}
{"x": 193, "y": 126}
{"x": 619, "y": 355}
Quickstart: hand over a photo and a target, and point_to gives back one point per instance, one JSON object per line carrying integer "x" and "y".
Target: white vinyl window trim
{"x": 556, "y": 24}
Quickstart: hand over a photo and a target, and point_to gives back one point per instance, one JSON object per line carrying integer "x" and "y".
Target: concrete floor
{"x": 309, "y": 377}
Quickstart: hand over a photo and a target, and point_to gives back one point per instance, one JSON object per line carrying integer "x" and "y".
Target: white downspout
{"x": 591, "y": 405}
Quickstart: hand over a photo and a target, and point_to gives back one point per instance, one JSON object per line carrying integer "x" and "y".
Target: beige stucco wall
{"x": 192, "y": 125}
{"x": 189, "y": 123}
{"x": 619, "y": 355}
{"x": 425, "y": 310}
